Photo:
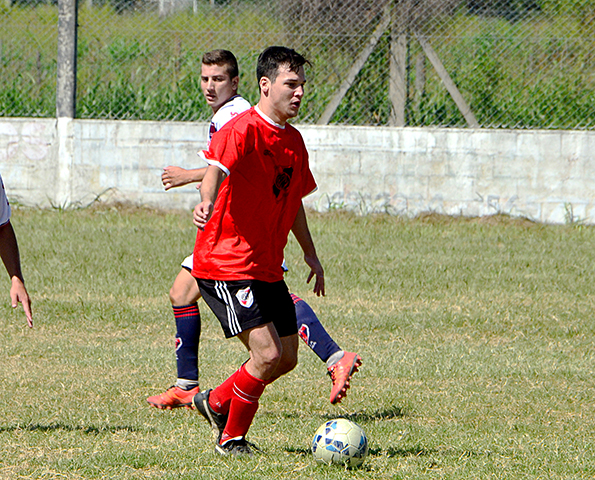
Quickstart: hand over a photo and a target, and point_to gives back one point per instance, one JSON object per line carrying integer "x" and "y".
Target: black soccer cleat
{"x": 217, "y": 421}
{"x": 235, "y": 448}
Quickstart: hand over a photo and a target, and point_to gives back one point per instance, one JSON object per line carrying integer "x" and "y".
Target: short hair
{"x": 222, "y": 58}
{"x": 272, "y": 58}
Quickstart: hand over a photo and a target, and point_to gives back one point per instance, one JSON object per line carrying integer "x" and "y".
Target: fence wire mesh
{"x": 488, "y": 63}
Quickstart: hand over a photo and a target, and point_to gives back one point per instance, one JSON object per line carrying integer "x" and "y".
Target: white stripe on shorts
{"x": 225, "y": 296}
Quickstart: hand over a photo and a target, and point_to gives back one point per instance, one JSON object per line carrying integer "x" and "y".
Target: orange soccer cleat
{"x": 341, "y": 373}
{"x": 174, "y": 397}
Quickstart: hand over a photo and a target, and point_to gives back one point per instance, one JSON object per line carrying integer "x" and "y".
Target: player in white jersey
{"x": 9, "y": 252}
{"x": 219, "y": 83}
{"x": 232, "y": 107}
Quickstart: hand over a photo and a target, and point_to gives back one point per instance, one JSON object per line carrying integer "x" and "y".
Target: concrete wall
{"x": 543, "y": 175}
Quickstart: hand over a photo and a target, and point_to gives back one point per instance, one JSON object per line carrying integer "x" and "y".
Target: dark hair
{"x": 222, "y": 58}
{"x": 272, "y": 58}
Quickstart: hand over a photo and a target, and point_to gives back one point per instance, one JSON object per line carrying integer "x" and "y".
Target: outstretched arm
{"x": 302, "y": 234}
{"x": 9, "y": 251}
{"x": 177, "y": 176}
{"x": 209, "y": 189}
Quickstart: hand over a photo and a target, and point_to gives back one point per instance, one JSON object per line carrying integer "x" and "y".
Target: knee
{"x": 270, "y": 359}
{"x": 179, "y": 296}
{"x": 286, "y": 363}
{"x": 266, "y": 362}
{"x": 175, "y": 296}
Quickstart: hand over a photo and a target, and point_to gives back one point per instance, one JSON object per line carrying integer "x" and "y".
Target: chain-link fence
{"x": 492, "y": 63}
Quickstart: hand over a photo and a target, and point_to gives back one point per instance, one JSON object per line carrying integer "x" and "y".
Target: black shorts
{"x": 244, "y": 304}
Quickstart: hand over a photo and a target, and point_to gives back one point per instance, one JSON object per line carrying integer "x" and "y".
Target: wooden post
{"x": 420, "y": 74}
{"x": 397, "y": 84}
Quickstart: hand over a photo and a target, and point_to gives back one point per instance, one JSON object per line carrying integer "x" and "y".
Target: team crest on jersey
{"x": 245, "y": 297}
{"x": 282, "y": 180}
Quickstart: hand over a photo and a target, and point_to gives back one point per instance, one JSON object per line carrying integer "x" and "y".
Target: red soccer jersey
{"x": 268, "y": 174}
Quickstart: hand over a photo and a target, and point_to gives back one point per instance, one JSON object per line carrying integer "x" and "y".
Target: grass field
{"x": 477, "y": 339}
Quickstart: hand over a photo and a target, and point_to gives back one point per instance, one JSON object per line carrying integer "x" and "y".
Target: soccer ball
{"x": 340, "y": 441}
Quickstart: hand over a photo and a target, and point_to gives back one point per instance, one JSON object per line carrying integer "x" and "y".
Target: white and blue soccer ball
{"x": 340, "y": 441}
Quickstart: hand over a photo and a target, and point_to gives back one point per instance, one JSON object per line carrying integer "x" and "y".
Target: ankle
{"x": 334, "y": 358}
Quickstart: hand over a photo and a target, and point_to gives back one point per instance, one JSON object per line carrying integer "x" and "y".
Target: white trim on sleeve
{"x": 219, "y": 165}
{"x": 201, "y": 154}
{"x": 310, "y": 193}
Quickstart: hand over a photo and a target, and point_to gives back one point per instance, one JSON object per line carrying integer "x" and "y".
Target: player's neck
{"x": 270, "y": 115}
{"x": 217, "y": 108}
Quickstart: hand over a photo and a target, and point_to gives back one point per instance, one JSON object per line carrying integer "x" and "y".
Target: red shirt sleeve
{"x": 228, "y": 145}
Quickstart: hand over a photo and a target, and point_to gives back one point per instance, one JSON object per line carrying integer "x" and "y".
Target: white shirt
{"x": 230, "y": 109}
{"x": 4, "y": 205}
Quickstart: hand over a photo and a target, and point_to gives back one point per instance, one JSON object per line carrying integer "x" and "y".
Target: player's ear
{"x": 235, "y": 82}
{"x": 265, "y": 84}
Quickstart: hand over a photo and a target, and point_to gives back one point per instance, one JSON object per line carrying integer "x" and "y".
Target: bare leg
{"x": 184, "y": 290}
{"x": 270, "y": 357}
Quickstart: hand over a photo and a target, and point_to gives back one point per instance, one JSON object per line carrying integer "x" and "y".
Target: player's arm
{"x": 209, "y": 189}
{"x": 302, "y": 234}
{"x": 177, "y": 176}
{"x": 9, "y": 252}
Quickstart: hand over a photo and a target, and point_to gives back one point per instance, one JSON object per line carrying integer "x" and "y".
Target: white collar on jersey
{"x": 267, "y": 118}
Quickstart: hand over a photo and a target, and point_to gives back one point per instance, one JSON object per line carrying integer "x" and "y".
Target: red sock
{"x": 244, "y": 403}
{"x": 220, "y": 397}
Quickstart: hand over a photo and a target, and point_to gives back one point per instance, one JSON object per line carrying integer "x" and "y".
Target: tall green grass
{"x": 534, "y": 72}
{"x": 476, "y": 335}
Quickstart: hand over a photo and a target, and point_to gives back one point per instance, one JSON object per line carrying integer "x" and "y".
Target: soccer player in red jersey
{"x": 219, "y": 82}
{"x": 252, "y": 194}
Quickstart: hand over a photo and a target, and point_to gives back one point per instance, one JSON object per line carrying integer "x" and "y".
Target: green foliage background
{"x": 535, "y": 70}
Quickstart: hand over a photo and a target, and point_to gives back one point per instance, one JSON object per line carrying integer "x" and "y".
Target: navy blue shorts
{"x": 240, "y": 305}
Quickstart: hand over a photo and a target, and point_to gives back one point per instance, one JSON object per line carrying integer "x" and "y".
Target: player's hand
{"x": 18, "y": 294}
{"x": 202, "y": 213}
{"x": 317, "y": 271}
{"x": 173, "y": 177}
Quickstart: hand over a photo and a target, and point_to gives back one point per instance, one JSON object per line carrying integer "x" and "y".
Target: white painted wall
{"x": 542, "y": 175}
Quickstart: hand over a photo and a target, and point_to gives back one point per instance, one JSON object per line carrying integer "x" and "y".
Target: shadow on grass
{"x": 415, "y": 451}
{"x": 391, "y": 452}
{"x": 357, "y": 417}
{"x": 363, "y": 417}
{"x": 92, "y": 430}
